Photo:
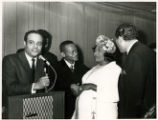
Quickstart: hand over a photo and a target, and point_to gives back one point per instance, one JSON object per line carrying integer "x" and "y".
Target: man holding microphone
{"x": 23, "y": 72}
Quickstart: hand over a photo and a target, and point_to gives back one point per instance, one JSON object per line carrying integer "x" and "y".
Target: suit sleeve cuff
{"x": 32, "y": 89}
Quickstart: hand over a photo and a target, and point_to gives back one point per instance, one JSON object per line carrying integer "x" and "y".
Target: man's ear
{"x": 24, "y": 43}
{"x": 62, "y": 54}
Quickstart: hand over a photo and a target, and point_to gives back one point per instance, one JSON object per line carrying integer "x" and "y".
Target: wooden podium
{"x": 37, "y": 106}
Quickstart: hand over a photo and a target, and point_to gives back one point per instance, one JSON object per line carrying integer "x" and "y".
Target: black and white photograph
{"x": 78, "y": 59}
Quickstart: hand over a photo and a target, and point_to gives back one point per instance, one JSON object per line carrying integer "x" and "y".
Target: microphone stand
{"x": 55, "y": 75}
{"x": 45, "y": 72}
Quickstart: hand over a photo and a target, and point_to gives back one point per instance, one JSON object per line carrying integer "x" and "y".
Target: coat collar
{"x": 64, "y": 63}
{"x": 134, "y": 46}
{"x": 131, "y": 45}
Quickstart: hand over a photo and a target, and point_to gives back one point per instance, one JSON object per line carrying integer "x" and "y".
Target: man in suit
{"x": 23, "y": 72}
{"x": 52, "y": 58}
{"x": 137, "y": 85}
{"x": 70, "y": 72}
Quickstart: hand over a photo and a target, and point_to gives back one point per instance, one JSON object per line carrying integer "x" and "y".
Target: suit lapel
{"x": 24, "y": 61}
{"x": 25, "y": 64}
{"x": 65, "y": 66}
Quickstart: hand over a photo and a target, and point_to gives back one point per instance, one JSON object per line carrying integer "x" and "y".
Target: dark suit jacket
{"x": 17, "y": 74}
{"x": 52, "y": 58}
{"x": 137, "y": 85}
{"x": 65, "y": 79}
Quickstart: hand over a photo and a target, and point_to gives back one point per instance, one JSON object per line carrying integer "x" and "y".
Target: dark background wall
{"x": 76, "y": 21}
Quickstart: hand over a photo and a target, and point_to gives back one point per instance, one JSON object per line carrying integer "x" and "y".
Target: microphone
{"x": 46, "y": 61}
{"x": 55, "y": 73}
{"x": 45, "y": 71}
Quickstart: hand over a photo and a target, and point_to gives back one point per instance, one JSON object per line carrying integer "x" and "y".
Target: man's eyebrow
{"x": 30, "y": 39}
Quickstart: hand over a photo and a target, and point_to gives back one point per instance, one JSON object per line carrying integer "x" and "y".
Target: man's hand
{"x": 75, "y": 89}
{"x": 42, "y": 83}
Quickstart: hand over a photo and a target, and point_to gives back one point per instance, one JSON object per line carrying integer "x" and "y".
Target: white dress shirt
{"x": 69, "y": 64}
{"x": 29, "y": 59}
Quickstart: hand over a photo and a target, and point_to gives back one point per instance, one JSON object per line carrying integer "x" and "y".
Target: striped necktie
{"x": 72, "y": 68}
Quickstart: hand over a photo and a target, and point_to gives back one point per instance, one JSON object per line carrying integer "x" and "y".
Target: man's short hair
{"x": 127, "y": 31}
{"x": 64, "y": 43}
{"x": 32, "y": 31}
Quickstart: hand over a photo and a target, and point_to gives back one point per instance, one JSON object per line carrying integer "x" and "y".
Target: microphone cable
{"x": 55, "y": 73}
{"x": 55, "y": 78}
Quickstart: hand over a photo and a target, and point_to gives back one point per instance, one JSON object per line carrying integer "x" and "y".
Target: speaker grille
{"x": 38, "y": 108}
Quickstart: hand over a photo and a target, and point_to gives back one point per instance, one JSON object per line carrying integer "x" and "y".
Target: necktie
{"x": 72, "y": 68}
{"x": 33, "y": 69}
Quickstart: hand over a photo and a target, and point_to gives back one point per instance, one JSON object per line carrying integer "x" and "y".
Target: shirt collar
{"x": 29, "y": 59}
{"x": 131, "y": 45}
{"x": 69, "y": 64}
